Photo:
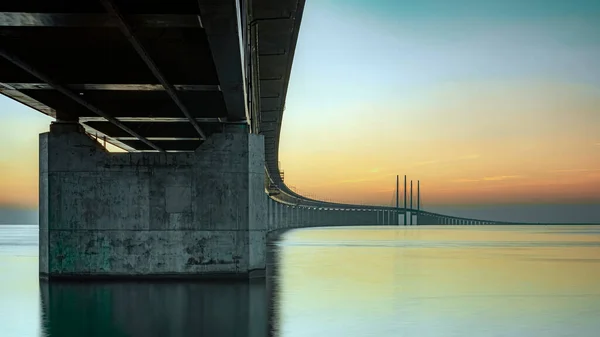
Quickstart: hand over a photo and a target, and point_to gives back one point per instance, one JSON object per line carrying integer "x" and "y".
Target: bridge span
{"x": 194, "y": 92}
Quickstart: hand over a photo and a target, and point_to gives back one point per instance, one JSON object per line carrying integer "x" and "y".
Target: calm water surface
{"x": 420, "y": 281}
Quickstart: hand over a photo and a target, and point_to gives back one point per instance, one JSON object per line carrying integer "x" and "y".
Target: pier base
{"x": 200, "y": 214}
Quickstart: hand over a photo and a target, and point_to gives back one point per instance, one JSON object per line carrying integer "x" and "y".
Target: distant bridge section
{"x": 288, "y": 215}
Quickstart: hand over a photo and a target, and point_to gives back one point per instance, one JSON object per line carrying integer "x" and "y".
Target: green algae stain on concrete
{"x": 63, "y": 255}
{"x": 79, "y": 253}
{"x": 104, "y": 254}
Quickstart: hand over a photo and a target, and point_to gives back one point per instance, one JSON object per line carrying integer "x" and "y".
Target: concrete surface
{"x": 153, "y": 214}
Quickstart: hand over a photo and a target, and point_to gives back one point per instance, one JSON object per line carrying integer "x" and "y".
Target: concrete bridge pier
{"x": 151, "y": 214}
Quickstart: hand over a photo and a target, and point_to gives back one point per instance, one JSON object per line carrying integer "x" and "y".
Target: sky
{"x": 483, "y": 102}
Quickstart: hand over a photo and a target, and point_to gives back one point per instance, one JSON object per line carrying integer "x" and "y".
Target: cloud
{"x": 575, "y": 170}
{"x": 465, "y": 180}
{"x": 498, "y": 178}
{"x": 386, "y": 190}
{"x": 470, "y": 156}
{"x": 429, "y": 162}
{"x": 359, "y": 180}
{"x": 492, "y": 178}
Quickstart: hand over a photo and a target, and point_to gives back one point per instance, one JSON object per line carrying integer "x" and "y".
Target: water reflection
{"x": 439, "y": 281}
{"x": 154, "y": 309}
{"x": 422, "y": 281}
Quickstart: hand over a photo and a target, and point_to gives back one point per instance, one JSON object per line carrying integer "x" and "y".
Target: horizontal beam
{"x": 169, "y": 151}
{"x": 73, "y": 96}
{"x": 160, "y": 120}
{"x": 158, "y": 138}
{"x": 100, "y": 136}
{"x": 28, "y": 101}
{"x": 109, "y": 87}
{"x": 19, "y": 19}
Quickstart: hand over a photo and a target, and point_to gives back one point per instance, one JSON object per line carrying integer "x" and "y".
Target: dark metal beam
{"x": 114, "y": 142}
{"x": 126, "y": 30}
{"x": 67, "y": 92}
{"x": 160, "y": 138}
{"x": 159, "y": 120}
{"x": 17, "y": 19}
{"x": 220, "y": 21}
{"x": 115, "y": 87}
{"x": 26, "y": 100}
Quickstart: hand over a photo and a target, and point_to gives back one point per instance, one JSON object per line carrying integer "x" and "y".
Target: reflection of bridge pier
{"x": 134, "y": 309}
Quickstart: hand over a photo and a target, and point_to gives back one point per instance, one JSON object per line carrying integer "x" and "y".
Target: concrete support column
{"x": 305, "y": 216}
{"x": 277, "y": 219}
{"x": 151, "y": 214}
{"x": 270, "y": 211}
{"x": 297, "y": 222}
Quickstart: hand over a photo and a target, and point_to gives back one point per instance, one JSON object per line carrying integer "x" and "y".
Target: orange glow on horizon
{"x": 540, "y": 147}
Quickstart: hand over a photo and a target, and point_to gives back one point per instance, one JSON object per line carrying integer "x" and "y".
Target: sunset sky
{"x": 484, "y": 102}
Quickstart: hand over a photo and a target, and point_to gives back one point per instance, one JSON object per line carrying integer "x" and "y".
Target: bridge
{"x": 194, "y": 92}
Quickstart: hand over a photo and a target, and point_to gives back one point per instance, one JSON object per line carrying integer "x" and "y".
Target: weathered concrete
{"x": 152, "y": 214}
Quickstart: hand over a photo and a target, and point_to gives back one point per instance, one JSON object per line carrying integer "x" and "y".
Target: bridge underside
{"x": 153, "y": 75}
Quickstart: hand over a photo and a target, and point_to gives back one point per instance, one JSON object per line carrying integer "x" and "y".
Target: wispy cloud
{"x": 498, "y": 178}
{"x": 359, "y": 180}
{"x": 465, "y": 180}
{"x": 575, "y": 170}
{"x": 492, "y": 178}
{"x": 430, "y": 162}
{"x": 470, "y": 156}
{"x": 386, "y": 190}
